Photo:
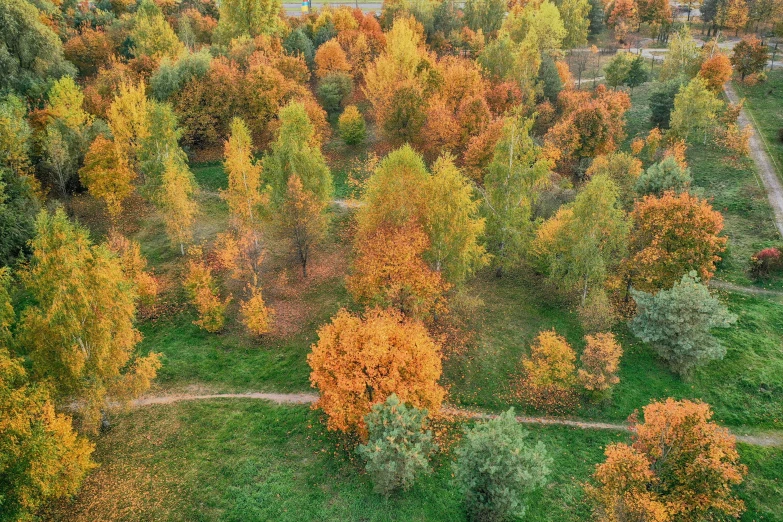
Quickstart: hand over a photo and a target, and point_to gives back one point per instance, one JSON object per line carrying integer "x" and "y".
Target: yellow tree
{"x": 42, "y": 457}
{"x": 550, "y": 372}
{"x": 175, "y": 199}
{"x": 128, "y": 119}
{"x": 203, "y": 293}
{"x": 106, "y": 176}
{"x": 600, "y": 364}
{"x": 243, "y": 194}
{"x": 79, "y": 328}
{"x": 360, "y": 361}
{"x": 134, "y": 266}
{"x": 256, "y": 316}
{"x": 301, "y": 221}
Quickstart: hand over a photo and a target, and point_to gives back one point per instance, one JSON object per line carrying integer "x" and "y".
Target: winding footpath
{"x": 764, "y": 166}
{"x": 771, "y": 439}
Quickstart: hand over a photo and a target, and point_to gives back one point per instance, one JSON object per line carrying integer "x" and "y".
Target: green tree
{"x": 618, "y": 68}
{"x": 247, "y": 18}
{"x": 684, "y": 58}
{"x": 589, "y": 238}
{"x": 517, "y": 168}
{"x": 549, "y": 79}
{"x": 152, "y": 35}
{"x": 576, "y": 20}
{"x": 664, "y": 176}
{"x": 695, "y": 110}
{"x": 678, "y": 324}
{"x": 295, "y": 151}
{"x": 351, "y": 126}
{"x": 31, "y": 53}
{"x": 333, "y": 90}
{"x": 637, "y": 73}
{"x": 78, "y": 328}
{"x": 486, "y": 15}
{"x": 496, "y": 467}
{"x": 398, "y": 445}
{"x": 452, "y": 223}
{"x": 662, "y": 103}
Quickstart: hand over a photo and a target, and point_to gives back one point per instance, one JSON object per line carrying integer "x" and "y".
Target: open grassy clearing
{"x": 237, "y": 460}
{"x": 764, "y": 103}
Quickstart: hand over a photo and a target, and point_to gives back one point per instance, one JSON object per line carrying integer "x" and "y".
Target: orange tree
{"x": 680, "y": 466}
{"x": 550, "y": 373}
{"x": 672, "y": 235}
{"x": 360, "y": 361}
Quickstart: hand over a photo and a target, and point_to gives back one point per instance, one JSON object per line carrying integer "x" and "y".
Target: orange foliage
{"x": 565, "y": 74}
{"x": 134, "y": 266}
{"x": 637, "y": 144}
{"x": 677, "y": 151}
{"x": 653, "y": 143}
{"x": 389, "y": 271}
{"x": 359, "y": 362}
{"x": 600, "y": 363}
{"x": 736, "y": 140}
{"x": 716, "y": 71}
{"x": 681, "y": 466}
{"x": 672, "y": 235}
{"x": 203, "y": 293}
{"x": 550, "y": 373}
{"x": 330, "y": 58}
{"x": 88, "y": 50}
{"x": 481, "y": 149}
{"x": 256, "y": 317}
{"x": 502, "y": 97}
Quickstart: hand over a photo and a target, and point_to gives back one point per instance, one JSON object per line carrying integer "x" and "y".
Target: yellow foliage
{"x": 256, "y": 317}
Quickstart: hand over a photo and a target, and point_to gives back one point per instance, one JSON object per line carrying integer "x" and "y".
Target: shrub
{"x": 550, "y": 373}
{"x": 333, "y": 90}
{"x": 600, "y": 363}
{"x": 203, "y": 293}
{"x": 351, "y": 126}
{"x": 678, "y": 324}
{"x": 664, "y": 176}
{"x": 766, "y": 262}
{"x": 496, "y": 467}
{"x": 256, "y": 317}
{"x": 398, "y": 447}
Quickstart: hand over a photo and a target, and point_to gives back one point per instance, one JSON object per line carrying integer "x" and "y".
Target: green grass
{"x": 239, "y": 460}
{"x": 734, "y": 190}
{"x": 210, "y": 176}
{"x": 745, "y": 388}
{"x": 764, "y": 102}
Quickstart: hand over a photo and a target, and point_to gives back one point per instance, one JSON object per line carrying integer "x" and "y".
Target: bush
{"x": 662, "y": 177}
{"x": 398, "y": 447}
{"x": 766, "y": 262}
{"x": 351, "y": 126}
{"x": 600, "y": 364}
{"x": 550, "y": 373}
{"x": 496, "y": 467}
{"x": 678, "y": 324}
{"x": 333, "y": 89}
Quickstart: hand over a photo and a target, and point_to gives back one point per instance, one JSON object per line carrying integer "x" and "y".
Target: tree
{"x": 152, "y": 35}
{"x": 716, "y": 71}
{"x": 331, "y": 58}
{"x": 657, "y": 13}
{"x": 398, "y": 445}
{"x": 618, "y": 68}
{"x": 600, "y": 364}
{"x": 518, "y": 167}
{"x": 735, "y": 14}
{"x": 134, "y": 266}
{"x": 677, "y": 323}
{"x": 247, "y": 18}
{"x": 549, "y": 371}
{"x": 452, "y": 223}
{"x": 301, "y": 221}
{"x": 684, "y": 58}
{"x": 671, "y": 236}
{"x": 637, "y": 73}
{"x": 176, "y": 202}
{"x": 243, "y": 194}
{"x": 78, "y": 329}
{"x": 297, "y": 151}
{"x": 351, "y": 126}
{"x": 749, "y": 56}
{"x": 333, "y": 90}
{"x": 623, "y": 18}
{"x": 389, "y": 271}
{"x": 106, "y": 176}
{"x": 43, "y": 459}
{"x": 583, "y": 243}
{"x": 662, "y": 103}
{"x": 497, "y": 467}
{"x": 623, "y": 169}
{"x": 695, "y": 110}
{"x": 32, "y": 51}
{"x": 204, "y": 295}
{"x": 129, "y": 122}
{"x": 256, "y": 316}
{"x": 486, "y": 15}
{"x": 664, "y": 176}
{"x": 360, "y": 361}
{"x": 679, "y": 466}
{"x": 576, "y": 21}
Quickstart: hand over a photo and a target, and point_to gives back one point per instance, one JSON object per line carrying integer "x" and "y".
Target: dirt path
{"x": 772, "y": 439}
{"x": 731, "y": 287}
{"x": 763, "y": 162}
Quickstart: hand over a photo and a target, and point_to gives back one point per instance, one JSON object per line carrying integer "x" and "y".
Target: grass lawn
{"x": 764, "y": 102}
{"x": 239, "y": 460}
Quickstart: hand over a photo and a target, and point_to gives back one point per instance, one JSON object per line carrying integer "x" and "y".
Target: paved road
{"x": 764, "y": 166}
